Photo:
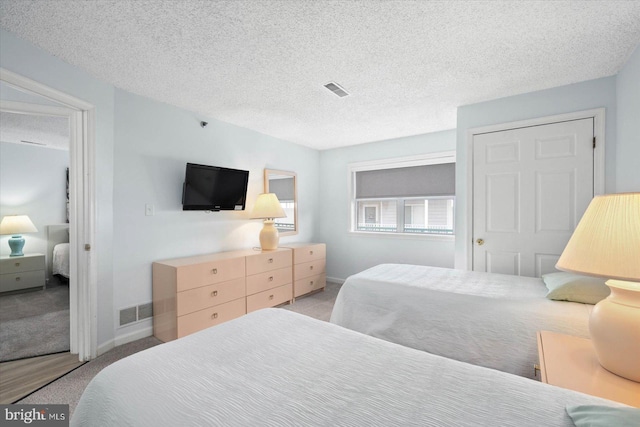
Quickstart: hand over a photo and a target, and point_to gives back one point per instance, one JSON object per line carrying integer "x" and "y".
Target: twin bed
{"x": 274, "y": 367}
{"x": 485, "y": 319}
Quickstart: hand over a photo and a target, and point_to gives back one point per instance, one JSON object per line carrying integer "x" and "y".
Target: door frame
{"x": 82, "y": 210}
{"x": 598, "y": 115}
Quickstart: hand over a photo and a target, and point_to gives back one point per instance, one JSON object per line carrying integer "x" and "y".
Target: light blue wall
{"x": 33, "y": 182}
{"x": 153, "y": 143}
{"x": 564, "y": 99}
{"x": 628, "y": 146}
{"x": 349, "y": 253}
{"x": 25, "y": 59}
{"x": 141, "y": 150}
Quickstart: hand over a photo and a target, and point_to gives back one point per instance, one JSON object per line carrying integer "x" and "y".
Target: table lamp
{"x": 606, "y": 243}
{"x": 15, "y": 225}
{"x": 268, "y": 207}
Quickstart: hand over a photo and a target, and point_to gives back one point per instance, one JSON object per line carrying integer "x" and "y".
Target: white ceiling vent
{"x": 337, "y": 89}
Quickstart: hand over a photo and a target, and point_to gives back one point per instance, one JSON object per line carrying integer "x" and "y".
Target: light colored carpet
{"x": 69, "y": 388}
{"x": 34, "y": 336}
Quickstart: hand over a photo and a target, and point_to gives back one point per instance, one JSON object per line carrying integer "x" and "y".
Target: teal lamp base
{"x": 16, "y": 243}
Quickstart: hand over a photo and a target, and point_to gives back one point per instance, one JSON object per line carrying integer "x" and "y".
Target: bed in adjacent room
{"x": 278, "y": 368}
{"x": 58, "y": 251}
{"x": 485, "y": 319}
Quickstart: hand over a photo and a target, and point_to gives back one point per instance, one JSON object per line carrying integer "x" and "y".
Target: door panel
{"x": 530, "y": 188}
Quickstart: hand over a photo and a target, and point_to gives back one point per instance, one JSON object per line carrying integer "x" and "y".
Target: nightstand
{"x": 570, "y": 362}
{"x": 22, "y": 272}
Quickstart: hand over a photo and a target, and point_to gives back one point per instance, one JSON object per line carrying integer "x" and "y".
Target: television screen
{"x": 213, "y": 188}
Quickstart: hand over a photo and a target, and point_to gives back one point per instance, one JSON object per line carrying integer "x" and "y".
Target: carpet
{"x": 34, "y": 335}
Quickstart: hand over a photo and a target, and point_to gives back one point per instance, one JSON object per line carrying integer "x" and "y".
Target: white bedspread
{"x": 277, "y": 368}
{"x": 60, "y": 259}
{"x": 485, "y": 319}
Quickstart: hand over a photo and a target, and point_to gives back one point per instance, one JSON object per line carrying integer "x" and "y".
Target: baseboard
{"x": 104, "y": 347}
{"x": 335, "y": 280}
{"x": 134, "y": 336}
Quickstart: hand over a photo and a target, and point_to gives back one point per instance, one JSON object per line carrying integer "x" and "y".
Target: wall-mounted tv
{"x": 212, "y": 188}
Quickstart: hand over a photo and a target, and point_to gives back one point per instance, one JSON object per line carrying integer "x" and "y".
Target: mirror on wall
{"x": 283, "y": 184}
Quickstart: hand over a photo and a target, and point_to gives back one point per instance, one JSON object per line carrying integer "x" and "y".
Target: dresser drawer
{"x": 309, "y": 284}
{"x": 308, "y": 269}
{"x": 268, "y": 280}
{"x": 208, "y": 273}
{"x": 20, "y": 264}
{"x": 267, "y": 261}
{"x": 209, "y": 296}
{"x": 269, "y": 298}
{"x": 309, "y": 253}
{"x": 202, "y": 319}
{"x": 24, "y": 280}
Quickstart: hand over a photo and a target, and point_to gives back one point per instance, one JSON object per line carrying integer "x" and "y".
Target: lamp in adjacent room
{"x": 268, "y": 207}
{"x": 606, "y": 243}
{"x": 15, "y": 225}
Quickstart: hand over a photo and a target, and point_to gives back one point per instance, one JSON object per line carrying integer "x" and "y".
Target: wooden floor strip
{"x": 20, "y": 378}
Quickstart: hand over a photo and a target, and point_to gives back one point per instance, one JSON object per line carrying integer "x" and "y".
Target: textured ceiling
{"x": 49, "y": 131}
{"x": 262, "y": 64}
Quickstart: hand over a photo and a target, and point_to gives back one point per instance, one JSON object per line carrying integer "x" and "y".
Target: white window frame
{"x": 398, "y": 162}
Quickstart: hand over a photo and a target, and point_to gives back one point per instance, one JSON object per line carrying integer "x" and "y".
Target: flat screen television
{"x": 212, "y": 188}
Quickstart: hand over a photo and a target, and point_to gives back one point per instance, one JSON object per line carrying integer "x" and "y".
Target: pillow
{"x": 564, "y": 286}
{"x": 603, "y": 416}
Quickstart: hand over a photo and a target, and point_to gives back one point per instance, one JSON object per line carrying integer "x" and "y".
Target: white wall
{"x": 153, "y": 143}
{"x": 349, "y": 253}
{"x": 628, "y": 146}
{"x": 33, "y": 182}
{"x": 564, "y": 99}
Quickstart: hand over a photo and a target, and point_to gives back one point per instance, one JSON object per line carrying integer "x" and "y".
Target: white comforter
{"x": 277, "y": 368}
{"x": 60, "y": 259}
{"x": 481, "y": 318}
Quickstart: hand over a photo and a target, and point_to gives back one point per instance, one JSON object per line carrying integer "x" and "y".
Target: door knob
{"x": 480, "y": 242}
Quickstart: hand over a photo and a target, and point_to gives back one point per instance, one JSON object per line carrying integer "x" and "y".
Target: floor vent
{"x": 136, "y": 313}
{"x": 337, "y": 89}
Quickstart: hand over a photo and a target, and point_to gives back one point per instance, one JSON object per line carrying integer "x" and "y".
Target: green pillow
{"x": 564, "y": 286}
{"x": 603, "y": 416}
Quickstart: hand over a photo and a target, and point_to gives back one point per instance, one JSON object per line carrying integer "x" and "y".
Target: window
{"x": 411, "y": 196}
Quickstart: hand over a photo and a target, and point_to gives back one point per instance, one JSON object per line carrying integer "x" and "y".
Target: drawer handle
{"x": 311, "y": 283}
{"x": 270, "y": 260}
{"x": 270, "y": 297}
{"x": 214, "y": 293}
{"x": 214, "y": 271}
{"x": 17, "y": 279}
{"x": 214, "y": 316}
{"x": 271, "y": 278}
{"x": 310, "y": 252}
{"x": 311, "y": 267}
{"x": 17, "y": 264}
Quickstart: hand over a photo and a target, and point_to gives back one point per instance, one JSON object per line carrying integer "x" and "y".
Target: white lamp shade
{"x": 606, "y": 242}
{"x": 17, "y": 224}
{"x": 267, "y": 206}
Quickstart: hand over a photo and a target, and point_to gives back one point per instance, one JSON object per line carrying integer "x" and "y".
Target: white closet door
{"x": 530, "y": 188}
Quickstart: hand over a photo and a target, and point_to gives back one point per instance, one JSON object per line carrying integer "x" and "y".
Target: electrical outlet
{"x": 149, "y": 209}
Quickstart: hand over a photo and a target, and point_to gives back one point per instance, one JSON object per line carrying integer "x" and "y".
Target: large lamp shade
{"x": 268, "y": 207}
{"x": 16, "y": 225}
{"x": 606, "y": 243}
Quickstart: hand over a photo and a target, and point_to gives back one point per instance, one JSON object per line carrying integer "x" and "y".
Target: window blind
{"x": 413, "y": 181}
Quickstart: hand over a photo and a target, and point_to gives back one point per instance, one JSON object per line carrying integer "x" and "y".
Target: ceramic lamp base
{"x": 615, "y": 331}
{"x": 16, "y": 243}
{"x": 269, "y": 236}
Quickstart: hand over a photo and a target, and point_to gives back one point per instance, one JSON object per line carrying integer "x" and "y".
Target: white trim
{"x": 335, "y": 280}
{"x": 133, "y": 336}
{"x": 598, "y": 115}
{"x": 35, "y": 109}
{"x": 82, "y": 212}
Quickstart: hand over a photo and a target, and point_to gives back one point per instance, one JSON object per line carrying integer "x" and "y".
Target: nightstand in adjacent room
{"x": 570, "y": 362}
{"x": 22, "y": 272}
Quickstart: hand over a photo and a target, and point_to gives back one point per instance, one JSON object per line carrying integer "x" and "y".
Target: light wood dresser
{"x": 570, "y": 362}
{"x": 309, "y": 267}
{"x": 22, "y": 272}
{"x": 194, "y": 293}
